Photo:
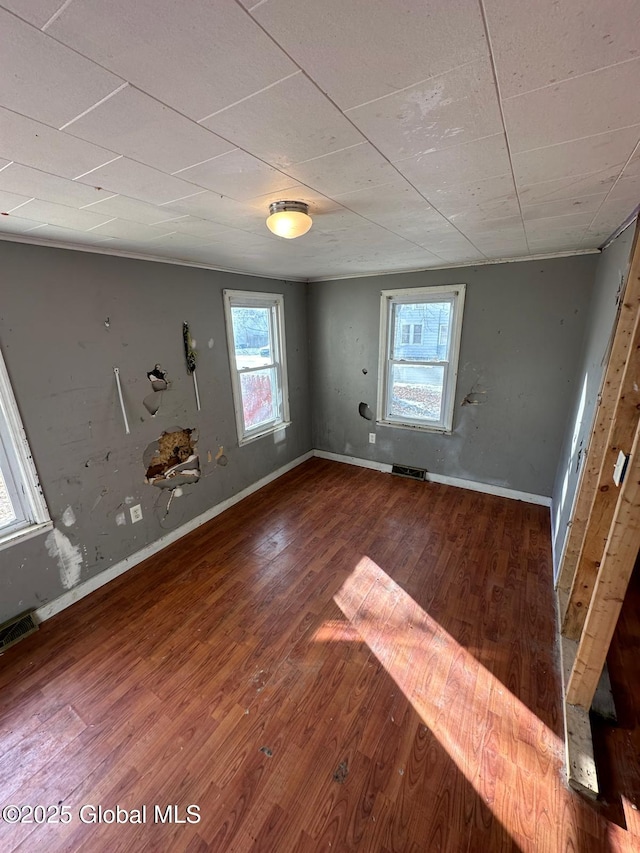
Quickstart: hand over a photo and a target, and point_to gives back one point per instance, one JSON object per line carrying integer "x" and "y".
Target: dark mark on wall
{"x": 365, "y": 412}
{"x": 365, "y": 371}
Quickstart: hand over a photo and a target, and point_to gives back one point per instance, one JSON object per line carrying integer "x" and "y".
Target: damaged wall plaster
{"x": 68, "y": 557}
{"x": 172, "y": 460}
{"x": 68, "y": 517}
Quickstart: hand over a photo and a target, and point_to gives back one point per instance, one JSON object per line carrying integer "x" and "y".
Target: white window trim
{"x": 409, "y": 295}
{"x": 257, "y": 299}
{"x": 36, "y": 517}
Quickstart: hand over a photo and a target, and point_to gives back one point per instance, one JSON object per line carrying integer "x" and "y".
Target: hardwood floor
{"x": 344, "y": 661}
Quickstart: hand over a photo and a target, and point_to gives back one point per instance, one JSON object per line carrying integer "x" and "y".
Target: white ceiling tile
{"x": 69, "y": 236}
{"x": 31, "y": 143}
{"x": 127, "y": 230}
{"x": 568, "y": 188}
{"x": 135, "y": 179}
{"x": 460, "y": 164}
{"x": 37, "y": 12}
{"x": 43, "y": 185}
{"x": 578, "y": 157}
{"x": 237, "y": 175}
{"x": 563, "y": 207}
{"x": 121, "y": 207}
{"x": 9, "y": 201}
{"x": 398, "y": 207}
{"x": 456, "y": 107}
{"x": 537, "y": 44}
{"x": 17, "y": 225}
{"x": 133, "y": 124}
{"x": 612, "y": 214}
{"x": 595, "y": 103}
{"x": 357, "y": 52}
{"x": 198, "y": 228}
{"x": 628, "y": 187}
{"x": 352, "y": 169}
{"x": 216, "y": 208}
{"x": 494, "y": 197}
{"x": 59, "y": 214}
{"x": 287, "y": 123}
{"x": 196, "y": 57}
{"x": 38, "y": 76}
{"x": 557, "y": 228}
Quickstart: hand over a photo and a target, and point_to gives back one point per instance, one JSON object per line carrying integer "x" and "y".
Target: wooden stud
{"x": 609, "y": 392}
{"x": 621, "y": 551}
{"x": 603, "y": 506}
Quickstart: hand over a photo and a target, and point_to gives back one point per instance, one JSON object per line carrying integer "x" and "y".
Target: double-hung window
{"x": 420, "y": 332}
{"x": 23, "y": 511}
{"x": 255, "y": 334}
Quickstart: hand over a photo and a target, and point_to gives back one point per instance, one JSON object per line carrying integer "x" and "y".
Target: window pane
{"x": 252, "y": 336}
{"x": 7, "y": 514}
{"x": 416, "y": 392}
{"x": 259, "y": 405}
{"x": 431, "y": 323}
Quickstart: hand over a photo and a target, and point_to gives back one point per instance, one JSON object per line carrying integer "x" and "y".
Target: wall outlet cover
{"x": 136, "y": 513}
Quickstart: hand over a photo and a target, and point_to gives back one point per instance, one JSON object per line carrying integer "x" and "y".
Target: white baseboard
{"x": 487, "y": 488}
{"x": 95, "y": 582}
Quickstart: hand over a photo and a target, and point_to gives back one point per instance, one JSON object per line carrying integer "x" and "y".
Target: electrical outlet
{"x": 136, "y": 513}
{"x": 372, "y": 438}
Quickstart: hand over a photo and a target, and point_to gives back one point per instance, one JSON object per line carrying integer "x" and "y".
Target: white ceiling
{"x": 421, "y": 134}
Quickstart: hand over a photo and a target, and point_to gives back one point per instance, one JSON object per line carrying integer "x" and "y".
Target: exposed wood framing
{"x": 605, "y": 498}
{"x": 608, "y": 397}
{"x": 620, "y": 553}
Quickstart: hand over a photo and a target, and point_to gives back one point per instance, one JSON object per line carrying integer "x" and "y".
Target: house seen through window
{"x": 420, "y": 339}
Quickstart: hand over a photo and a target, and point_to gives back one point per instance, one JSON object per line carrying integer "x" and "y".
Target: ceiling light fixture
{"x": 289, "y": 219}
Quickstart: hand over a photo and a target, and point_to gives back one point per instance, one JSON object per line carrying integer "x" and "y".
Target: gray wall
{"x": 610, "y": 273}
{"x": 521, "y": 343}
{"x": 60, "y": 357}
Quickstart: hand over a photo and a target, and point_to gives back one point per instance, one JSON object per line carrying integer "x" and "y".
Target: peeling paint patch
{"x": 172, "y": 460}
{"x": 210, "y": 343}
{"x": 221, "y": 459}
{"x": 68, "y": 557}
{"x": 68, "y": 517}
{"x": 121, "y": 519}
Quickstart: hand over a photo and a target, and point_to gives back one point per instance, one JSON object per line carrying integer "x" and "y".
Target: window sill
{"x": 415, "y": 427}
{"x": 269, "y": 431}
{"x": 24, "y": 533}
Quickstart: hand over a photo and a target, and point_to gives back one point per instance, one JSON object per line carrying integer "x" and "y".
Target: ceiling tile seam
{"x": 577, "y": 139}
{"x": 604, "y": 200}
{"x": 98, "y": 201}
{"x": 616, "y": 166}
{"x": 573, "y": 77}
{"x": 248, "y": 97}
{"x": 100, "y": 225}
{"x": 56, "y": 15}
{"x": 496, "y": 81}
{"x": 534, "y": 204}
{"x": 202, "y": 162}
{"x": 412, "y": 85}
{"x": 171, "y": 219}
{"x": 348, "y": 118}
{"x": 94, "y": 106}
{"x": 365, "y": 141}
{"x": 95, "y": 168}
{"x": 448, "y": 147}
{"x": 22, "y": 204}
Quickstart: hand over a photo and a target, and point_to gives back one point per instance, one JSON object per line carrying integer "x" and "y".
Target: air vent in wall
{"x": 16, "y": 629}
{"x": 412, "y": 473}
